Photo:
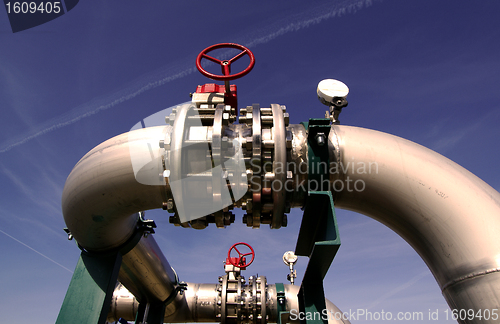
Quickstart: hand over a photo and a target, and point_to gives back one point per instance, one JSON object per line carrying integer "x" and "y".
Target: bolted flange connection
{"x": 236, "y": 164}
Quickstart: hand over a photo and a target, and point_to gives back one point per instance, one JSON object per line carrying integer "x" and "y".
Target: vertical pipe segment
{"x": 448, "y": 215}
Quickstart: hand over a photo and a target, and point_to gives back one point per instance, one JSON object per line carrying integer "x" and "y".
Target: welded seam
{"x": 469, "y": 276}
{"x": 334, "y": 140}
{"x": 334, "y": 157}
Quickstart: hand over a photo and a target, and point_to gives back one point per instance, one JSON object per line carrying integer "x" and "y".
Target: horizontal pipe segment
{"x": 448, "y": 215}
{"x": 198, "y": 303}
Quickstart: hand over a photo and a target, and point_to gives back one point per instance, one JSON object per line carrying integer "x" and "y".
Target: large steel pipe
{"x": 447, "y": 214}
{"x": 101, "y": 201}
{"x": 199, "y": 303}
{"x": 101, "y": 197}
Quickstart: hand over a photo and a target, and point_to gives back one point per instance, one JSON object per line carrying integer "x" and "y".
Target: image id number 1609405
{"x": 471, "y": 314}
{"x": 33, "y": 7}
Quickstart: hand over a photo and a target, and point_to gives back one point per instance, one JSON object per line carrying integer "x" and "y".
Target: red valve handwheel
{"x": 239, "y": 263}
{"x": 225, "y": 64}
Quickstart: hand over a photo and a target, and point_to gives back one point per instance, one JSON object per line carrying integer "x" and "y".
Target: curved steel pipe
{"x": 334, "y": 315}
{"x": 101, "y": 201}
{"x": 447, "y": 214}
{"x": 427, "y": 199}
{"x": 101, "y": 197}
{"x": 146, "y": 272}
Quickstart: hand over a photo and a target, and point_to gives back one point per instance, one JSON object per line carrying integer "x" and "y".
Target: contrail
{"x": 399, "y": 288}
{"x": 342, "y": 8}
{"x": 72, "y": 120}
{"x": 299, "y": 23}
{"x": 32, "y": 249}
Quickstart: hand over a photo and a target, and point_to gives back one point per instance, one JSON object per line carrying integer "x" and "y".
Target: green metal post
{"x": 319, "y": 240}
{"x": 89, "y": 294}
{"x": 318, "y": 236}
{"x": 283, "y": 314}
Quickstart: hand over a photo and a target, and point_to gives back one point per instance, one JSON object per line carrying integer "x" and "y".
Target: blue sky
{"x": 427, "y": 71}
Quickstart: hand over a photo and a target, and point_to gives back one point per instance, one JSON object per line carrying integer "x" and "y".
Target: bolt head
{"x": 171, "y": 119}
{"x": 287, "y": 118}
{"x": 320, "y": 139}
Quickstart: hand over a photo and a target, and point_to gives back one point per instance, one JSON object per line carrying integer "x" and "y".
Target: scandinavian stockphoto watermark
{"x": 198, "y": 173}
{"x": 208, "y": 170}
{"x": 382, "y": 315}
{"x": 298, "y": 180}
{"x": 355, "y": 315}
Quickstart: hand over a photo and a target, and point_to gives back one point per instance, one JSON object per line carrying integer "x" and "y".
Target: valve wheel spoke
{"x": 239, "y": 260}
{"x": 213, "y": 59}
{"x": 238, "y": 56}
{"x": 225, "y": 64}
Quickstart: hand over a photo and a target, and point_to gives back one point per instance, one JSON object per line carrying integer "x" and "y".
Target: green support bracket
{"x": 283, "y": 315}
{"x": 319, "y": 240}
{"x": 318, "y": 130}
{"x": 318, "y": 236}
{"x": 312, "y": 304}
{"x": 89, "y": 294}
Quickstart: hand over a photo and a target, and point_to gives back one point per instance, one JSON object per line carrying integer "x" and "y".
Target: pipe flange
{"x": 279, "y": 163}
{"x": 217, "y": 160}
{"x": 261, "y": 299}
{"x": 265, "y": 141}
{"x": 256, "y": 163}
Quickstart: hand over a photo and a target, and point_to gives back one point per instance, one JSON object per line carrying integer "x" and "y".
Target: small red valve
{"x": 225, "y": 64}
{"x": 240, "y": 260}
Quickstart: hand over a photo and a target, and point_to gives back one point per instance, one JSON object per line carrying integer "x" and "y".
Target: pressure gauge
{"x": 289, "y": 258}
{"x": 329, "y": 89}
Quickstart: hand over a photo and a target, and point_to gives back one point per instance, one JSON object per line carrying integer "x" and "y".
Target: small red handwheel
{"x": 239, "y": 261}
{"x": 225, "y": 64}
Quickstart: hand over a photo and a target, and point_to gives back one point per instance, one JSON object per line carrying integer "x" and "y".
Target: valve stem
{"x": 289, "y": 258}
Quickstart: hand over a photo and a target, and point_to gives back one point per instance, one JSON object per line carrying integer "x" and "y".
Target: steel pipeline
{"x": 448, "y": 215}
